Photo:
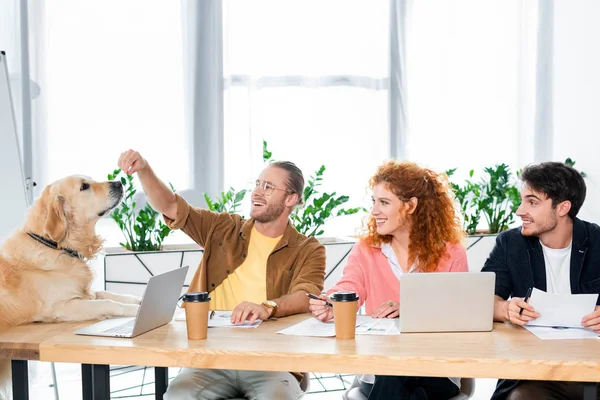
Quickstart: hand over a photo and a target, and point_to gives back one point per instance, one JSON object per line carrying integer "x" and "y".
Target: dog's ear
{"x": 56, "y": 222}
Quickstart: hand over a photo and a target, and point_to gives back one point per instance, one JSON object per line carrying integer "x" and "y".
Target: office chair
{"x": 467, "y": 389}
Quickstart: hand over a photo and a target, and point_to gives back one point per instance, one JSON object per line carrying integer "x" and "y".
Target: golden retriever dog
{"x": 44, "y": 275}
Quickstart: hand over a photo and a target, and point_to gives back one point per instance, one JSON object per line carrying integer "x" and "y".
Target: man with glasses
{"x": 260, "y": 268}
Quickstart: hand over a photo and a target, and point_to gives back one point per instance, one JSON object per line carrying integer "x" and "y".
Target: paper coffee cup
{"x": 196, "y": 314}
{"x": 345, "y": 307}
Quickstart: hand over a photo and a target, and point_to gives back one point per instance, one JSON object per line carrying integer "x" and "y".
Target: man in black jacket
{"x": 552, "y": 251}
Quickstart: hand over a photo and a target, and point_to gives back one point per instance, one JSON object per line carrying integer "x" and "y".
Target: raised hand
{"x": 131, "y": 162}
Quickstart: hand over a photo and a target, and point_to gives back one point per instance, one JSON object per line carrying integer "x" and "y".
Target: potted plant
{"x": 495, "y": 197}
{"x": 142, "y": 254}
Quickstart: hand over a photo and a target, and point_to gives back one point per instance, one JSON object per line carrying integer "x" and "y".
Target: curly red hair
{"x": 433, "y": 224}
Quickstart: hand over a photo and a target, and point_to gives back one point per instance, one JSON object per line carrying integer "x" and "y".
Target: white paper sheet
{"x": 556, "y": 333}
{"x": 310, "y": 327}
{"x": 220, "y": 319}
{"x": 376, "y": 326}
{"x": 563, "y": 310}
{"x": 365, "y": 325}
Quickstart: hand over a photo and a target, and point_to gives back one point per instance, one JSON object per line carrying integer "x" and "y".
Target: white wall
{"x": 577, "y": 93}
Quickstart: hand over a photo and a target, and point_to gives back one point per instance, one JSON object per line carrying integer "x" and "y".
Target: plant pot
{"x": 337, "y": 251}
{"x": 127, "y": 272}
{"x": 478, "y": 249}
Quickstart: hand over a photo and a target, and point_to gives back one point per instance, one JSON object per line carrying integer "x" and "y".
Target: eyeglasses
{"x": 267, "y": 187}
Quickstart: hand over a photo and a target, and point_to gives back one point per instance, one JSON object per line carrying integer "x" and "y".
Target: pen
{"x": 212, "y": 314}
{"x": 312, "y": 296}
{"x": 526, "y": 298}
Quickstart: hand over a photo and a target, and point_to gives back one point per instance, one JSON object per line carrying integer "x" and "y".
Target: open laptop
{"x": 447, "y": 302}
{"x": 157, "y": 308}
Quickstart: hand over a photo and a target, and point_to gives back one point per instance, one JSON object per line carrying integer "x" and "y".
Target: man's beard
{"x": 548, "y": 225}
{"x": 272, "y": 212}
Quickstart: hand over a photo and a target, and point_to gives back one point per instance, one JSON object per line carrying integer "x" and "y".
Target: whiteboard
{"x": 13, "y": 197}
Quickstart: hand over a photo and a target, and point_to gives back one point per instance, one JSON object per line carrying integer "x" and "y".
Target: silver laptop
{"x": 157, "y": 308}
{"x": 447, "y": 302}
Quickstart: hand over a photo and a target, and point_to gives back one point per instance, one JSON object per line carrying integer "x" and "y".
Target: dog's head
{"x": 68, "y": 209}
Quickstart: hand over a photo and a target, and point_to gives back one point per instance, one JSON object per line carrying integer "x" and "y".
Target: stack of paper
{"x": 555, "y": 332}
{"x": 310, "y": 327}
{"x": 564, "y": 310}
{"x": 561, "y": 315}
{"x": 221, "y": 319}
{"x": 365, "y": 325}
{"x": 376, "y": 326}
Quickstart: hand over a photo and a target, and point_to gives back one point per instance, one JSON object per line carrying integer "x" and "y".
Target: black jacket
{"x": 518, "y": 262}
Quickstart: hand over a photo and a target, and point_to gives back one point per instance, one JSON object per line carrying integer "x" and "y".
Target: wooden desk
{"x": 21, "y": 344}
{"x": 506, "y": 352}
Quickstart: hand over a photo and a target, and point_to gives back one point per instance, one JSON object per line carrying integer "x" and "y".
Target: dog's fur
{"x": 42, "y": 284}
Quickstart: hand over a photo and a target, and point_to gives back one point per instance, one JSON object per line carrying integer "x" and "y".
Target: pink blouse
{"x": 369, "y": 274}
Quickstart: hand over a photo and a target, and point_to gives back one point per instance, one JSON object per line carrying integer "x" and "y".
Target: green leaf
{"x": 266, "y": 153}
{"x": 229, "y": 201}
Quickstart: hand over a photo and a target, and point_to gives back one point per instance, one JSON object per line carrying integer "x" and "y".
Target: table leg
{"x": 161, "y": 381}
{"x": 20, "y": 380}
{"x": 87, "y": 383}
{"x": 101, "y": 382}
{"x": 590, "y": 390}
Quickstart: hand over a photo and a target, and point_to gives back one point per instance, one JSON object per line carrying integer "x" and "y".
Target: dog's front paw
{"x": 129, "y": 310}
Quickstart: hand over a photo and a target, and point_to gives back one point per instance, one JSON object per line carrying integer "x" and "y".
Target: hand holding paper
{"x": 520, "y": 312}
{"x": 592, "y": 320}
{"x": 565, "y": 310}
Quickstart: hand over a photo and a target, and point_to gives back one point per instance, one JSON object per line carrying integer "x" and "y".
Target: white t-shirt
{"x": 558, "y": 269}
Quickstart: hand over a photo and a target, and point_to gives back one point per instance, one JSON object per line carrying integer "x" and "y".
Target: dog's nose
{"x": 116, "y": 184}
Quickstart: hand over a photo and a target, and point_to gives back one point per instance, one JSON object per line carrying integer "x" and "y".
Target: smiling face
{"x": 389, "y": 212}
{"x": 270, "y": 204}
{"x": 537, "y": 213}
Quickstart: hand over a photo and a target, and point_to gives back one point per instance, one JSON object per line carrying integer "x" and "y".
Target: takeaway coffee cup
{"x": 196, "y": 314}
{"x": 345, "y": 306}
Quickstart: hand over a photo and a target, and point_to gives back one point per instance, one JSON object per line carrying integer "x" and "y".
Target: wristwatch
{"x": 272, "y": 305}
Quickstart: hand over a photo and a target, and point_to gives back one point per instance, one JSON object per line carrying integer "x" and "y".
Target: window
{"x": 470, "y": 84}
{"x": 112, "y": 80}
{"x": 311, "y": 79}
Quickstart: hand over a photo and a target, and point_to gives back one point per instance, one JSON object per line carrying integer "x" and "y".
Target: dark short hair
{"x": 295, "y": 178}
{"x": 559, "y": 182}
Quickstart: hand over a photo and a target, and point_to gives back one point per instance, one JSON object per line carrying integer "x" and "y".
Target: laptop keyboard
{"x": 121, "y": 330}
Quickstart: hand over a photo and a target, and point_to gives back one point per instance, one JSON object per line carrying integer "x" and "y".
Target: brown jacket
{"x": 296, "y": 262}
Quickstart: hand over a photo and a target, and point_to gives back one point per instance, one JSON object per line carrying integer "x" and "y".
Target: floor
{"x": 126, "y": 383}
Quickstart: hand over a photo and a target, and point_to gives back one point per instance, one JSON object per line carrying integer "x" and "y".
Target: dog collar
{"x": 53, "y": 245}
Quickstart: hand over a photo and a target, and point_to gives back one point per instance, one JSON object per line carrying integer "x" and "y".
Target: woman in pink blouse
{"x": 413, "y": 228}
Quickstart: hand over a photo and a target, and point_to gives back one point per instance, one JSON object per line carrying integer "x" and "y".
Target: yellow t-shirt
{"x": 249, "y": 281}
